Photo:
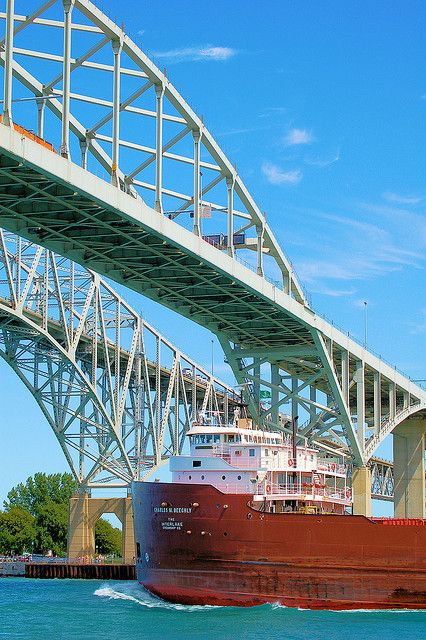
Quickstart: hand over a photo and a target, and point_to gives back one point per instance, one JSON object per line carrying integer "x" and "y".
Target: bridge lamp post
{"x": 365, "y": 323}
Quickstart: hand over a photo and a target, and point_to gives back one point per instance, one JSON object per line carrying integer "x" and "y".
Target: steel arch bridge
{"x": 118, "y": 395}
{"x": 136, "y": 211}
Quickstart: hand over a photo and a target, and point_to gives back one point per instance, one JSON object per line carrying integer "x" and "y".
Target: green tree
{"x": 17, "y": 531}
{"x": 52, "y": 528}
{"x": 107, "y": 538}
{"x": 40, "y": 490}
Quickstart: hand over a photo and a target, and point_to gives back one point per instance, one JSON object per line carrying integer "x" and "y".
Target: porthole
{"x": 189, "y": 477}
{"x": 225, "y": 533}
{"x": 223, "y": 477}
{"x": 239, "y": 477}
{"x": 202, "y": 477}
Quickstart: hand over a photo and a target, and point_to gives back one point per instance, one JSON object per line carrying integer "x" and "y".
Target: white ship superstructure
{"x": 278, "y": 476}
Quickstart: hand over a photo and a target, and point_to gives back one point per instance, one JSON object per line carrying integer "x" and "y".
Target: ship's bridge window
{"x": 216, "y": 437}
{"x": 202, "y": 439}
{"x": 266, "y": 452}
{"x": 252, "y": 453}
{"x": 209, "y": 438}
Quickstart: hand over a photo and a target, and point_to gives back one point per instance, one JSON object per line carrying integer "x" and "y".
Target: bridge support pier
{"x": 84, "y": 512}
{"x": 361, "y": 489}
{"x": 409, "y": 468}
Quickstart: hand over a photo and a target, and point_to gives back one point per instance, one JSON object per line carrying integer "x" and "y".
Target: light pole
{"x": 365, "y": 323}
{"x": 212, "y": 358}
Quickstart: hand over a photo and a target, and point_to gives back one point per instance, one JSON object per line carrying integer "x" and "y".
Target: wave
{"x": 138, "y": 595}
{"x": 278, "y": 605}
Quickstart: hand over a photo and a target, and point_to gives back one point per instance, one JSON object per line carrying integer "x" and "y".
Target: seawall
{"x": 81, "y": 571}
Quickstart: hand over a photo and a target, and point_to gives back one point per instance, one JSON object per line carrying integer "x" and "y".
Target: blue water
{"x": 85, "y": 610}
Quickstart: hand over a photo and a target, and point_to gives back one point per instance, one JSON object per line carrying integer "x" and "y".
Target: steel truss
{"x": 118, "y": 395}
{"x": 382, "y": 479}
{"x": 142, "y": 138}
{"x": 149, "y": 236}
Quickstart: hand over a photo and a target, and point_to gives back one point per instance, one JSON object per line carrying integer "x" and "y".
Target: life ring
{"x": 333, "y": 467}
{"x": 268, "y": 488}
{"x": 290, "y": 462}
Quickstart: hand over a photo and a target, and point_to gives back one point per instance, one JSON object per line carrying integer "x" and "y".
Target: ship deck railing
{"x": 227, "y": 453}
{"x": 289, "y": 492}
{"x": 304, "y": 492}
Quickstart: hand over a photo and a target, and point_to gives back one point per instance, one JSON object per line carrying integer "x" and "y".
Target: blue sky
{"x": 322, "y": 106}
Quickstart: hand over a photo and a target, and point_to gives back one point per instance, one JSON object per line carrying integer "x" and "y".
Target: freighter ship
{"x": 250, "y": 518}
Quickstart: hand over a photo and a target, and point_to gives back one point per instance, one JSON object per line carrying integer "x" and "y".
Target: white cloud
{"x": 394, "y": 197}
{"x": 321, "y": 162}
{"x": 188, "y": 54}
{"x": 274, "y": 112}
{"x": 140, "y": 32}
{"x": 298, "y": 136}
{"x": 234, "y": 132}
{"x": 275, "y": 175}
{"x": 354, "y": 250}
{"x": 419, "y": 327}
{"x": 333, "y": 293}
{"x": 218, "y": 53}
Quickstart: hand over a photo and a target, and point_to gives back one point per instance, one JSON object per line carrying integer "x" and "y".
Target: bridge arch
{"x": 391, "y": 423}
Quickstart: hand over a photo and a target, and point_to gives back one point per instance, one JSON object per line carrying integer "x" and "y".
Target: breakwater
{"x": 81, "y": 571}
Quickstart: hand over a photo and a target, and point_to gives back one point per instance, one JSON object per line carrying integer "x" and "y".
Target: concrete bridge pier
{"x": 84, "y": 512}
{"x": 361, "y": 490}
{"x": 409, "y": 468}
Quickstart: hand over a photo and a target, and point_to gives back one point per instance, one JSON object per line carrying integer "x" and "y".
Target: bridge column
{"x": 7, "y": 104}
{"x": 116, "y": 48}
{"x": 83, "y": 516}
{"x": 361, "y": 490}
{"x": 128, "y": 547}
{"x": 66, "y": 75}
{"x": 409, "y": 468}
{"x": 41, "y": 106}
{"x": 230, "y": 180}
{"x": 159, "y": 92}
{"x": 260, "y": 231}
{"x": 197, "y": 195}
{"x": 81, "y": 538}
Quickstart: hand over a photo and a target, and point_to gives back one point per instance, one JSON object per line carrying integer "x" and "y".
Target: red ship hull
{"x": 197, "y": 545}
